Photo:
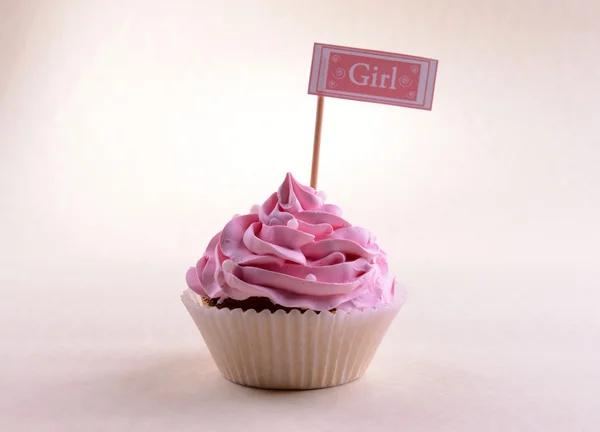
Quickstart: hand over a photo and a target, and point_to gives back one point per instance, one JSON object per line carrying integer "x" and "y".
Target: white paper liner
{"x": 290, "y": 350}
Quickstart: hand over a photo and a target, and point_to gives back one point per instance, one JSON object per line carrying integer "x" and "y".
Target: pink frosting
{"x": 297, "y": 251}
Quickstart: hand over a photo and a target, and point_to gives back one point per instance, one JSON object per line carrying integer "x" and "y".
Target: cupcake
{"x": 291, "y": 295}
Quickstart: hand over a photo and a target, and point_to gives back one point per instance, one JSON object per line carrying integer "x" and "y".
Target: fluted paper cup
{"x": 290, "y": 350}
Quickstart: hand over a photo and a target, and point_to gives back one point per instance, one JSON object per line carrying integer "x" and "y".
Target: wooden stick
{"x": 314, "y": 172}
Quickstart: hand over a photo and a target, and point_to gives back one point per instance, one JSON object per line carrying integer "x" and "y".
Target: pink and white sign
{"x": 372, "y": 76}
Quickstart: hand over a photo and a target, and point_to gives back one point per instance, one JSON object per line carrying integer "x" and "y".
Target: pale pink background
{"x": 130, "y": 131}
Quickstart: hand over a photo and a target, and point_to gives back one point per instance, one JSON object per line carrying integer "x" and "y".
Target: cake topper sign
{"x": 368, "y": 76}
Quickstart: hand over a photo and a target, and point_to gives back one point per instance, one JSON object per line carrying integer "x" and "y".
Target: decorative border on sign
{"x": 318, "y": 77}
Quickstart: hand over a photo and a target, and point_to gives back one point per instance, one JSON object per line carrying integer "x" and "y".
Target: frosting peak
{"x": 297, "y": 251}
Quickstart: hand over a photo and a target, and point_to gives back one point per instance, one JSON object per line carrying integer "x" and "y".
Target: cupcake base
{"x": 293, "y": 349}
{"x": 258, "y": 304}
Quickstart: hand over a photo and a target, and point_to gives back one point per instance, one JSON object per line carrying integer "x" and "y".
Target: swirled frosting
{"x": 297, "y": 251}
